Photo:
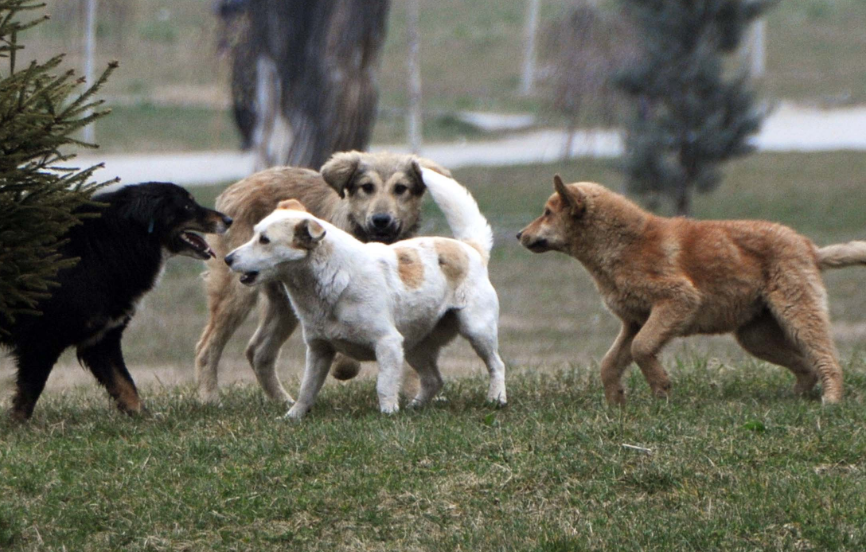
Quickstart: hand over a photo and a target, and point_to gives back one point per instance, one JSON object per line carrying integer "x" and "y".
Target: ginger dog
{"x": 674, "y": 277}
{"x": 372, "y": 301}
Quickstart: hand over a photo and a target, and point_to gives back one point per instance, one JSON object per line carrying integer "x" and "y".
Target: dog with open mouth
{"x": 371, "y": 301}
{"x": 122, "y": 249}
{"x": 375, "y": 196}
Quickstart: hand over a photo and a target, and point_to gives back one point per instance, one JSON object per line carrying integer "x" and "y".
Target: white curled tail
{"x": 461, "y": 211}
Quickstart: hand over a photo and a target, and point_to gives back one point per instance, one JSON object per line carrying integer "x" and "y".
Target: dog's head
{"x": 384, "y": 191}
{"x": 563, "y": 213}
{"x": 170, "y": 214}
{"x": 287, "y": 235}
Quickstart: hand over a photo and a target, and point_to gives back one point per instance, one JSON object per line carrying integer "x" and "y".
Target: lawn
{"x": 733, "y": 461}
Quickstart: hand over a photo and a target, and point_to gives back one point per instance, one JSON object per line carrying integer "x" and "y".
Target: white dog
{"x": 378, "y": 302}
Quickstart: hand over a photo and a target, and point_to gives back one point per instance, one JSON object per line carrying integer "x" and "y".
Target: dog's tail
{"x": 841, "y": 255}
{"x": 461, "y": 211}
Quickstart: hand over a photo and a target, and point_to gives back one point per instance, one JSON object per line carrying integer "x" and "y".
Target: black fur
{"x": 121, "y": 253}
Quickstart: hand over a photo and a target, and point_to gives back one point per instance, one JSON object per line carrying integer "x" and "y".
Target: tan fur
{"x": 409, "y": 267}
{"x": 453, "y": 261}
{"x": 324, "y": 195}
{"x": 291, "y": 205}
{"x": 672, "y": 277}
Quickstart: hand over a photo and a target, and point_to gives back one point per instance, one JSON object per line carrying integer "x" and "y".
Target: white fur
{"x": 350, "y": 298}
{"x": 460, "y": 209}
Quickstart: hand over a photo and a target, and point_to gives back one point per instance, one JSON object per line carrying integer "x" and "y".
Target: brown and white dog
{"x": 382, "y": 302}
{"x": 374, "y": 196}
{"x": 673, "y": 277}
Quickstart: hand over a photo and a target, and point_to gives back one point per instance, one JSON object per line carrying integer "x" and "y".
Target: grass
{"x": 736, "y": 463}
{"x": 471, "y": 59}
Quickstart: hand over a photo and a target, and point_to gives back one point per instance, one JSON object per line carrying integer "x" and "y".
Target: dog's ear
{"x": 419, "y": 187}
{"x": 572, "y": 198}
{"x": 308, "y": 233}
{"x": 291, "y": 205}
{"x": 340, "y": 169}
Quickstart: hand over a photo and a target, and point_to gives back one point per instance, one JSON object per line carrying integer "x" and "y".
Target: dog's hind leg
{"x": 34, "y": 365}
{"x": 105, "y": 360}
{"x": 424, "y": 359}
{"x": 319, "y": 357}
{"x": 276, "y": 323}
{"x": 765, "y": 339}
{"x": 229, "y": 303}
{"x": 616, "y": 361}
{"x": 799, "y": 304}
{"x": 479, "y": 326}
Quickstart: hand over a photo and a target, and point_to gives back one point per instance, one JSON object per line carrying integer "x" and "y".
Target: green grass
{"x": 737, "y": 462}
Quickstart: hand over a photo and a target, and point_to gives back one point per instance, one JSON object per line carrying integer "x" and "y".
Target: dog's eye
{"x": 368, "y": 188}
{"x": 400, "y": 189}
{"x": 264, "y": 240}
{"x": 547, "y": 212}
{"x": 187, "y": 207}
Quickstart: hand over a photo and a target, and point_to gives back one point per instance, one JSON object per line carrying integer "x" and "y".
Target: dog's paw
{"x": 295, "y": 413}
{"x": 389, "y": 408}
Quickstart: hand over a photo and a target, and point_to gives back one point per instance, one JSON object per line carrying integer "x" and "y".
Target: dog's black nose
{"x": 519, "y": 234}
{"x": 227, "y": 220}
{"x": 381, "y": 221}
{"x": 229, "y": 259}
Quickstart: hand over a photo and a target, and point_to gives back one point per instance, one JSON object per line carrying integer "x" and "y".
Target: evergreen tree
{"x": 690, "y": 113}
{"x": 39, "y": 113}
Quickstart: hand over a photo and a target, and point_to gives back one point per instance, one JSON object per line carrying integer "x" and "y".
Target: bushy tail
{"x": 841, "y": 255}
{"x": 466, "y": 221}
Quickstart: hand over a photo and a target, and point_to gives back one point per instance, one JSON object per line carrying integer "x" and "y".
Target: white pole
{"x": 89, "y": 53}
{"x": 759, "y": 49}
{"x": 414, "y": 122}
{"x": 527, "y": 80}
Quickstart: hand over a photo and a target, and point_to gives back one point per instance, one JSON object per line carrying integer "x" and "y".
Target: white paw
{"x": 295, "y": 413}
{"x": 389, "y": 408}
{"x": 498, "y": 398}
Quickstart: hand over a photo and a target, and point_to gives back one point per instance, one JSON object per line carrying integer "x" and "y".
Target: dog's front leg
{"x": 389, "y": 355}
{"x": 319, "y": 357}
{"x": 616, "y": 361}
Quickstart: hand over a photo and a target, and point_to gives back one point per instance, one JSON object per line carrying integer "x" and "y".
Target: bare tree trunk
{"x": 414, "y": 121}
{"x": 89, "y": 134}
{"x": 527, "y": 80}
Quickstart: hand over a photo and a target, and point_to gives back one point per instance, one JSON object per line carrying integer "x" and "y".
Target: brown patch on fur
{"x": 409, "y": 267}
{"x": 453, "y": 261}
{"x": 291, "y": 205}
{"x": 673, "y": 277}
{"x": 307, "y": 234}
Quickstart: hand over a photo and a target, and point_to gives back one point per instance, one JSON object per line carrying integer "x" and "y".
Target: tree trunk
{"x": 414, "y": 120}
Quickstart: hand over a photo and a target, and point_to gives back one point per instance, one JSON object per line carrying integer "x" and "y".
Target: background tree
{"x": 690, "y": 115}
{"x": 584, "y": 48}
{"x": 38, "y": 116}
{"x": 305, "y": 71}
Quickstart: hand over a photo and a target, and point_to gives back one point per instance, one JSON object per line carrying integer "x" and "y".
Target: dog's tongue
{"x": 199, "y": 243}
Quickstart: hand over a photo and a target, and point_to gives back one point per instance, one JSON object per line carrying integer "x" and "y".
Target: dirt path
{"x": 788, "y": 128}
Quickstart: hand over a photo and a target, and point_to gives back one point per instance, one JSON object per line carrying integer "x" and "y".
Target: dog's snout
{"x": 519, "y": 234}
{"x": 230, "y": 258}
{"x": 381, "y": 221}
{"x": 227, "y": 220}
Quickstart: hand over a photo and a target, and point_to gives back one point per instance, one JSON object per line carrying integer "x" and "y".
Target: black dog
{"x": 122, "y": 253}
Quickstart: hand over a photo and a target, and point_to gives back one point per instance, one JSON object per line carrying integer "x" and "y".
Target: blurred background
{"x": 507, "y": 92}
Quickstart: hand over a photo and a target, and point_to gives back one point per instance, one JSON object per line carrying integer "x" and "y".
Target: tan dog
{"x": 674, "y": 277}
{"x": 374, "y": 196}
